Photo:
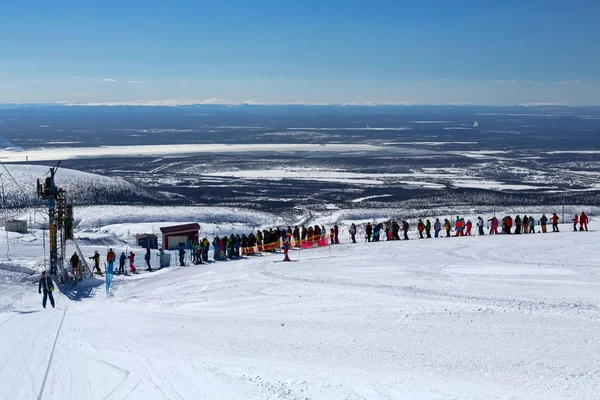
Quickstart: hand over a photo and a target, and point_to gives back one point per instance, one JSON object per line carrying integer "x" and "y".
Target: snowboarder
{"x": 122, "y": 260}
{"x": 437, "y": 227}
{"x": 47, "y": 286}
{"x": 131, "y": 259}
{"x": 369, "y": 231}
{"x": 182, "y": 256}
{"x": 543, "y": 222}
{"x": 469, "y": 227}
{"x": 96, "y": 258}
{"x": 583, "y": 221}
{"x": 575, "y": 222}
{"x": 147, "y": 258}
{"x": 111, "y": 257}
{"x": 554, "y": 220}
{"x": 428, "y": 228}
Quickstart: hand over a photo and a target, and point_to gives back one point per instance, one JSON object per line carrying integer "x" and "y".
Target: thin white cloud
{"x": 503, "y": 81}
{"x": 134, "y": 82}
{"x": 534, "y": 104}
{"x": 109, "y": 80}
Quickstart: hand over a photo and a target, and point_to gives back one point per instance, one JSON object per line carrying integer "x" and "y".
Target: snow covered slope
{"x": 507, "y": 317}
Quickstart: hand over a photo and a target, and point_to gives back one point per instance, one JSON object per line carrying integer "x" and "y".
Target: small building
{"x": 147, "y": 241}
{"x": 16, "y": 225}
{"x": 179, "y": 235}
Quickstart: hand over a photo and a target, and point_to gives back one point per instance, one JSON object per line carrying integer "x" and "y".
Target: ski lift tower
{"x": 56, "y": 214}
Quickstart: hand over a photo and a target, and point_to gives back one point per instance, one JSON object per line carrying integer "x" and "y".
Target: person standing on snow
{"x": 420, "y": 228}
{"x": 428, "y": 228}
{"x": 47, "y": 286}
{"x": 469, "y": 227}
{"x": 353, "y": 233}
{"x": 480, "y": 224}
{"x": 75, "y": 265}
{"x": 459, "y": 226}
{"x": 583, "y": 221}
{"x": 447, "y": 227}
{"x": 287, "y": 245}
{"x": 161, "y": 258}
{"x": 111, "y": 257}
{"x": 494, "y": 226}
{"x": 368, "y": 231}
{"x": 122, "y": 260}
{"x": 543, "y": 222}
{"x": 131, "y": 259}
{"x": 554, "y": 220}
{"x": 437, "y": 227}
{"x": 182, "y": 256}
{"x": 147, "y": 258}
{"x": 525, "y": 224}
{"x": 531, "y": 225}
{"x": 96, "y": 258}
{"x": 405, "y": 228}
{"x": 575, "y": 222}
{"x": 376, "y": 233}
{"x": 518, "y": 225}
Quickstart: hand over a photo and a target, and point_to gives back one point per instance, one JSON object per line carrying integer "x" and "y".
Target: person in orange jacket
{"x": 420, "y": 228}
{"x": 583, "y": 221}
{"x": 110, "y": 259}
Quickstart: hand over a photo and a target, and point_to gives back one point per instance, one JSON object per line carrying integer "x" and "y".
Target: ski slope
{"x": 507, "y": 317}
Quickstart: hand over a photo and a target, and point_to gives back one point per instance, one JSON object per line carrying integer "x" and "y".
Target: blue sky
{"x": 328, "y": 51}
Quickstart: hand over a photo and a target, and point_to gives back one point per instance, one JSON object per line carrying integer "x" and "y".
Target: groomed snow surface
{"x": 507, "y": 317}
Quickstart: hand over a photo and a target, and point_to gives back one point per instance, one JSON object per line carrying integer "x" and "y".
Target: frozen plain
{"x": 507, "y": 317}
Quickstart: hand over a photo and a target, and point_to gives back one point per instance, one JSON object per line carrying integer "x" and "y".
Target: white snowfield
{"x": 506, "y": 317}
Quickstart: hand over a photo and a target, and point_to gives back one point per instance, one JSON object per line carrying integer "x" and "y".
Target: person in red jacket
{"x": 554, "y": 220}
{"x": 131, "y": 259}
{"x": 583, "y": 221}
{"x": 575, "y": 222}
{"x": 469, "y": 226}
{"x": 509, "y": 224}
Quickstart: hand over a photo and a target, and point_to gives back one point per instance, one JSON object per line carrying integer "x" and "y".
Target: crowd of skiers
{"x": 390, "y": 230}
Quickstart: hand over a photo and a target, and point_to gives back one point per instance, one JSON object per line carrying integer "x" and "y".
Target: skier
{"x": 336, "y": 232}
{"x": 447, "y": 227}
{"x": 395, "y": 230}
{"x": 296, "y": 235}
{"x": 543, "y": 222}
{"x": 525, "y": 225}
{"x": 583, "y": 221}
{"x": 122, "y": 263}
{"x": 46, "y": 285}
{"x": 420, "y": 228}
{"x": 96, "y": 258}
{"x": 75, "y": 265}
{"x": 131, "y": 258}
{"x": 304, "y": 232}
{"x": 353, "y": 233}
{"x": 405, "y": 228}
{"x": 518, "y": 225}
{"x": 428, "y": 228}
{"x": 509, "y": 224}
{"x": 147, "y": 257}
{"x": 215, "y": 243}
{"x": 531, "y": 225}
{"x": 376, "y": 233}
{"x": 480, "y": 224}
{"x": 554, "y": 220}
{"x": 437, "y": 227}
{"x": 205, "y": 248}
{"x": 369, "y": 231}
{"x": 575, "y": 222}
{"x": 494, "y": 226}
{"x": 331, "y": 236}
{"x": 111, "y": 257}
{"x": 459, "y": 226}
{"x": 286, "y": 246}
{"x": 182, "y": 256}
{"x": 469, "y": 227}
